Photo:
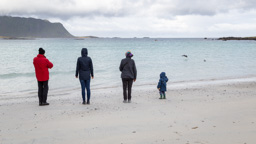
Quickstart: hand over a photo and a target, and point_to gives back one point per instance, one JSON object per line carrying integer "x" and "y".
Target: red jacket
{"x": 41, "y": 64}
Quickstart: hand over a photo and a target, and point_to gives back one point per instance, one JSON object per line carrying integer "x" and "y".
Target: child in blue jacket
{"x": 162, "y": 85}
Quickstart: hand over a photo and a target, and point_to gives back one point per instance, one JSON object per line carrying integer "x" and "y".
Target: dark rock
{"x": 185, "y": 56}
{"x": 237, "y": 38}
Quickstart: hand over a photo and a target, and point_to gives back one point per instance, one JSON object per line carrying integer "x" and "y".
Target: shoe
{"x": 40, "y": 104}
{"x": 160, "y": 98}
{"x": 125, "y": 101}
{"x": 84, "y": 103}
{"x": 88, "y": 102}
{"x": 43, "y": 104}
{"x": 129, "y": 101}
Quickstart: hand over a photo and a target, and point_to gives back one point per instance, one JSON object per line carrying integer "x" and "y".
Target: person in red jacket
{"x": 42, "y": 64}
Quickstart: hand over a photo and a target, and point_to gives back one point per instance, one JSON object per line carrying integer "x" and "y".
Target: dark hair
{"x": 41, "y": 51}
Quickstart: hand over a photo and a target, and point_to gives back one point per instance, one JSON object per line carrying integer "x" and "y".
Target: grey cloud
{"x": 66, "y": 9}
{"x": 210, "y": 7}
{"x": 65, "y": 15}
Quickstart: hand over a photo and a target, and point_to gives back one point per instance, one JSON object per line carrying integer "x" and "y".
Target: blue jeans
{"x": 85, "y": 84}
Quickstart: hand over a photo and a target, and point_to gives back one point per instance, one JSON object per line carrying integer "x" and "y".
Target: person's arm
{"x": 159, "y": 85}
{"x": 49, "y": 64}
{"x": 121, "y": 67}
{"x": 91, "y": 68}
{"x": 167, "y": 79}
{"x": 134, "y": 71}
{"x": 77, "y": 68}
{"x": 34, "y": 62}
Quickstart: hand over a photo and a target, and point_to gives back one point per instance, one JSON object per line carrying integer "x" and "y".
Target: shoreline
{"x": 206, "y": 114}
{"x": 178, "y": 84}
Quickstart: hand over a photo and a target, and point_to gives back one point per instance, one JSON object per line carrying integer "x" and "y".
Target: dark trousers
{"x": 162, "y": 93}
{"x": 127, "y": 83}
{"x": 42, "y": 91}
{"x": 85, "y": 84}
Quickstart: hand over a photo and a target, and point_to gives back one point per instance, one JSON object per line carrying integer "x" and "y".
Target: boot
{"x": 45, "y": 103}
{"x": 161, "y": 97}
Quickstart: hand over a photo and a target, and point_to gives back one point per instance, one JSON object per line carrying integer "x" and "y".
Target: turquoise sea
{"x": 207, "y": 60}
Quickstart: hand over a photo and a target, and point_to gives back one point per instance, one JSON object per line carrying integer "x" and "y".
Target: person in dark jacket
{"x": 162, "y": 85}
{"x": 84, "y": 68}
{"x": 129, "y": 74}
{"x": 42, "y": 64}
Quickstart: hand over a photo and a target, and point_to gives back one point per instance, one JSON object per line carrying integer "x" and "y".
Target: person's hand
{"x": 76, "y": 76}
{"x": 158, "y": 88}
{"x": 92, "y": 77}
{"x": 134, "y": 80}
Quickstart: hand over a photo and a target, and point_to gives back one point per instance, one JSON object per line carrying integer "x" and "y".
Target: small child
{"x": 162, "y": 85}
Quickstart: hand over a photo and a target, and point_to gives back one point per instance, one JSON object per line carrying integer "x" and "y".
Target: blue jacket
{"x": 162, "y": 82}
{"x": 84, "y": 66}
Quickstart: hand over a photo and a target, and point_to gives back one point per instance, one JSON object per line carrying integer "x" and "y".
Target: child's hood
{"x": 163, "y": 77}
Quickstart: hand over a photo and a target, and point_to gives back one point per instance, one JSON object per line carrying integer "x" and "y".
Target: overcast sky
{"x": 142, "y": 18}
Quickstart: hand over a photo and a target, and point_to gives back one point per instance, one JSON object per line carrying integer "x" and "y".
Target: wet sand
{"x": 223, "y": 113}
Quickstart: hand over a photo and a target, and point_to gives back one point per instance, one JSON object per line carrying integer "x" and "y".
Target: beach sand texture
{"x": 200, "y": 114}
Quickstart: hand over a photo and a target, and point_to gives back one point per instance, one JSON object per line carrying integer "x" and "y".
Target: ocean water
{"x": 207, "y": 59}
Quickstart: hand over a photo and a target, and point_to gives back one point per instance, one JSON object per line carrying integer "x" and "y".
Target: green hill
{"x": 31, "y": 27}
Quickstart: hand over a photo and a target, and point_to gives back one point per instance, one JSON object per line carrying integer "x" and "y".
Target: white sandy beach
{"x": 213, "y": 113}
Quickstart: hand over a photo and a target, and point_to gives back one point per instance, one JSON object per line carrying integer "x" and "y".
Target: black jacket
{"x": 128, "y": 68}
{"x": 84, "y": 66}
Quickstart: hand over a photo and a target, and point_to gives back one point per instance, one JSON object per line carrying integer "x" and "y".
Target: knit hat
{"x": 41, "y": 51}
{"x": 128, "y": 54}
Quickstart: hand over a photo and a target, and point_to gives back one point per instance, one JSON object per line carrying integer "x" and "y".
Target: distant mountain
{"x": 31, "y": 27}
